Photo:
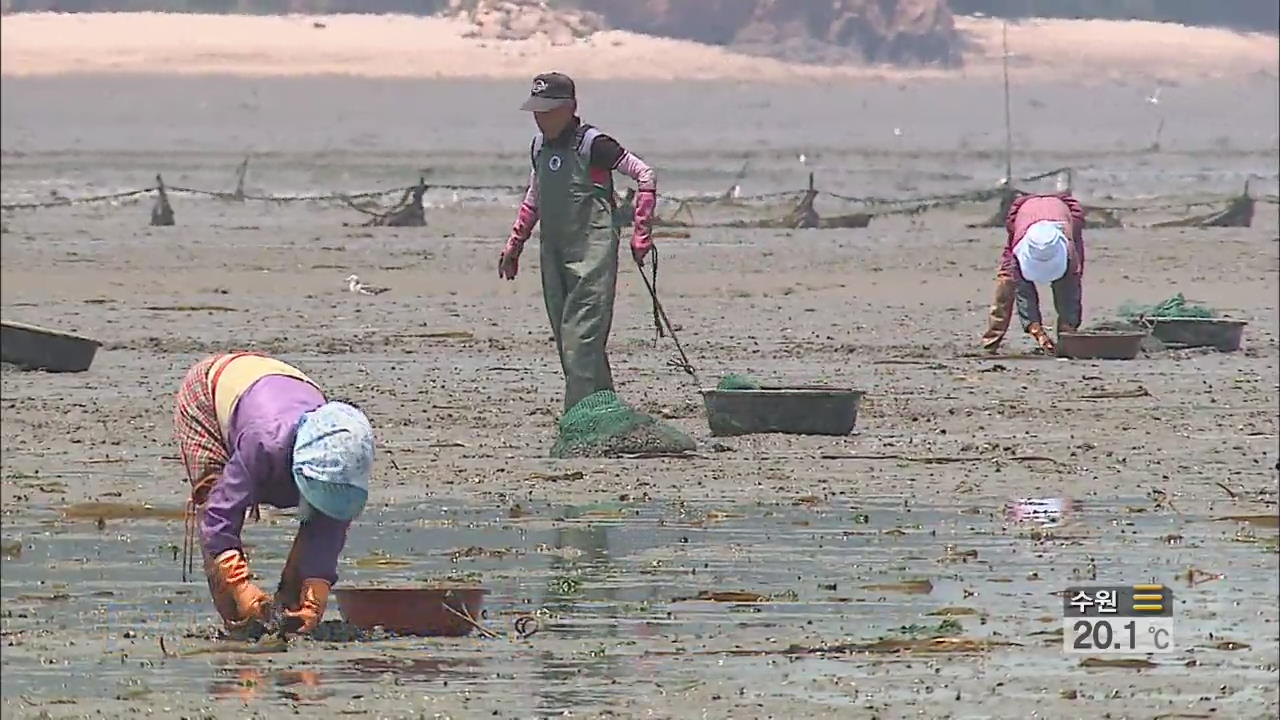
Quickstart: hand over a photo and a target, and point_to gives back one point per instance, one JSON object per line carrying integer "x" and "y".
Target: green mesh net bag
{"x": 733, "y": 381}
{"x": 1176, "y": 306}
{"x": 1117, "y": 326}
{"x": 602, "y": 425}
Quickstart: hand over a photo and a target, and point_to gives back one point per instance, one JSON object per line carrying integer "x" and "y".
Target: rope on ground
{"x": 1045, "y": 174}
{"x": 328, "y": 197}
{"x": 941, "y": 203}
{"x": 76, "y": 201}
{"x": 339, "y": 196}
{"x": 968, "y": 196}
{"x": 884, "y": 205}
{"x": 944, "y": 199}
{"x": 728, "y": 198}
{"x": 225, "y": 195}
{"x": 1168, "y": 204}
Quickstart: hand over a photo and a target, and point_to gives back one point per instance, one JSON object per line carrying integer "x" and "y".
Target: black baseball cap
{"x": 549, "y": 91}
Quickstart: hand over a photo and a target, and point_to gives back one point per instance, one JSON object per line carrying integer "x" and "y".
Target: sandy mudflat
{"x": 456, "y": 371}
{"x": 402, "y": 46}
{"x": 1175, "y": 485}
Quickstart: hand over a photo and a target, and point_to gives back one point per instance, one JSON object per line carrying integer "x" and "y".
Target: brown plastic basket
{"x": 433, "y": 611}
{"x": 1100, "y": 345}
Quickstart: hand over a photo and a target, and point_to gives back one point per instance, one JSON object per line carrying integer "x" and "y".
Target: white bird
{"x": 897, "y": 132}
{"x": 801, "y": 157}
{"x": 1154, "y": 99}
{"x": 354, "y": 285}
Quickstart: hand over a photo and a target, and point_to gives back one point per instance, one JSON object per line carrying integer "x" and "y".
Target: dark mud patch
{"x": 121, "y": 511}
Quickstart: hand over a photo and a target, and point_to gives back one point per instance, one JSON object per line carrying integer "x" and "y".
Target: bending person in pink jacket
{"x": 571, "y": 194}
{"x": 1045, "y": 244}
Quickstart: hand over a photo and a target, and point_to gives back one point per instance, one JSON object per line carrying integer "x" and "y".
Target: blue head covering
{"x": 333, "y": 459}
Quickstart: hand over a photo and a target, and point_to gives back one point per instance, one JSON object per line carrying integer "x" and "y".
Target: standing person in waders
{"x": 571, "y": 193}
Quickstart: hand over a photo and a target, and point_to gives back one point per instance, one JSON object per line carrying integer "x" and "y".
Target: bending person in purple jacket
{"x": 254, "y": 430}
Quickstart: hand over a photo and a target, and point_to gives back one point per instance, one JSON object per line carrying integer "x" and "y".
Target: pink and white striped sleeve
{"x": 633, "y": 167}
{"x": 526, "y": 216}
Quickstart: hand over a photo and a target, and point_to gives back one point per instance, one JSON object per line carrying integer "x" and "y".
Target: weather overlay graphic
{"x": 1117, "y": 619}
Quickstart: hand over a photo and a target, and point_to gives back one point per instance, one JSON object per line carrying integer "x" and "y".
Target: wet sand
{"x": 456, "y": 370}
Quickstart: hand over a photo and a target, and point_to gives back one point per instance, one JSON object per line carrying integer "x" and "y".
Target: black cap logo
{"x": 550, "y": 91}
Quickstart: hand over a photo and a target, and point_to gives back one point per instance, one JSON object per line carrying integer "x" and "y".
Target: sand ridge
{"x": 33, "y": 44}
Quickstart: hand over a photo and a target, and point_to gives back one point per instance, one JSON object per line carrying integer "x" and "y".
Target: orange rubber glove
{"x": 1042, "y": 338}
{"x": 231, "y": 588}
{"x": 312, "y": 600}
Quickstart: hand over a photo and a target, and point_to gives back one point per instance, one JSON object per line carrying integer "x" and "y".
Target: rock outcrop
{"x": 902, "y": 32}
{"x": 888, "y": 31}
{"x": 523, "y": 19}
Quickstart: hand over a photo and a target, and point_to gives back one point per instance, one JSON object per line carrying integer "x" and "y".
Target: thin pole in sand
{"x": 1008, "y": 123}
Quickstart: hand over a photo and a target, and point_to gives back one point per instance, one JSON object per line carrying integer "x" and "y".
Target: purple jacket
{"x": 260, "y": 441}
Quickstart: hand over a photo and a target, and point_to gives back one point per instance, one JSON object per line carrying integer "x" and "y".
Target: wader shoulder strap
{"x": 586, "y": 135}
{"x": 583, "y": 139}
{"x": 534, "y": 147}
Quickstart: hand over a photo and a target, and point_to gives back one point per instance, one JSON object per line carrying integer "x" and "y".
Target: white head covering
{"x": 1042, "y": 253}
